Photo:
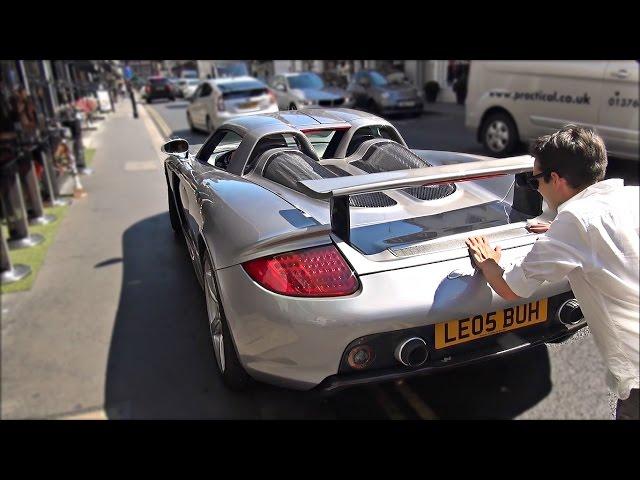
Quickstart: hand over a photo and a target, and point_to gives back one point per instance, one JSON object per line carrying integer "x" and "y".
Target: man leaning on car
{"x": 593, "y": 241}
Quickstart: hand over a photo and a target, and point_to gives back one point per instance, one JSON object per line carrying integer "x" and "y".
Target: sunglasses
{"x": 532, "y": 181}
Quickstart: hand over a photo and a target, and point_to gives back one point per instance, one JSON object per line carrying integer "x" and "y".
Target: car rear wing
{"x": 338, "y": 190}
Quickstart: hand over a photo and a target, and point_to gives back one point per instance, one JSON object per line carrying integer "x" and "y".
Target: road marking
{"x": 154, "y": 130}
{"x": 160, "y": 123}
{"x": 390, "y": 408}
{"x": 98, "y": 414}
{"x": 413, "y": 399}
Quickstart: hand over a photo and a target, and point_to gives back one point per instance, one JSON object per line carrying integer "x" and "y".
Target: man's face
{"x": 548, "y": 189}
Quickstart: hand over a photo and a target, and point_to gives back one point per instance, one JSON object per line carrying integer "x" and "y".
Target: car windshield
{"x": 377, "y": 79}
{"x": 305, "y": 80}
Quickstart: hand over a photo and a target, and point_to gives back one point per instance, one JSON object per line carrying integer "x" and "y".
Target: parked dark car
{"x": 376, "y": 93}
{"x": 158, "y": 87}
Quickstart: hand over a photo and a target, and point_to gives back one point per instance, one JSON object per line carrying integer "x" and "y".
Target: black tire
{"x": 172, "y": 99}
{"x": 190, "y": 122}
{"x": 149, "y": 100}
{"x": 499, "y": 134}
{"x": 173, "y": 214}
{"x": 233, "y": 374}
{"x": 293, "y": 106}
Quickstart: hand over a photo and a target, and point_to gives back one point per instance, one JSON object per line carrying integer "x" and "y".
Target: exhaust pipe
{"x": 569, "y": 312}
{"x": 412, "y": 352}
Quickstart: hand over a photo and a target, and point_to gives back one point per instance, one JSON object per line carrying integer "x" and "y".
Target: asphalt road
{"x": 564, "y": 381}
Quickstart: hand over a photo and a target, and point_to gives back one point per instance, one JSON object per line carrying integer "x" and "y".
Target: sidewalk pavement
{"x": 56, "y": 337}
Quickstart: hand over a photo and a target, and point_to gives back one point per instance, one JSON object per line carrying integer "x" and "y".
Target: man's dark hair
{"x": 575, "y": 153}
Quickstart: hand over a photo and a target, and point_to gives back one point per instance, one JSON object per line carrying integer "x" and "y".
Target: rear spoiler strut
{"x": 338, "y": 190}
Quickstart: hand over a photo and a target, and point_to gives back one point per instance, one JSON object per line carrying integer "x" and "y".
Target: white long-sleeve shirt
{"x": 593, "y": 241}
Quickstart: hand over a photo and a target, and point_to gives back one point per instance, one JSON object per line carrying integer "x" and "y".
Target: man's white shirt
{"x": 593, "y": 242}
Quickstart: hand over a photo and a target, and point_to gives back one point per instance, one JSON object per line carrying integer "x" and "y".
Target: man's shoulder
{"x": 622, "y": 199}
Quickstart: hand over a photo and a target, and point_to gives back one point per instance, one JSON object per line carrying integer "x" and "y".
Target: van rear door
{"x": 618, "y": 116}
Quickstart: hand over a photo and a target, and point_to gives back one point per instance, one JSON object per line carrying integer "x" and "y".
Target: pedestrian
{"x": 592, "y": 241}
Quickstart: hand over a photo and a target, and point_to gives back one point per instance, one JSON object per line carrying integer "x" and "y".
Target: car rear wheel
{"x": 293, "y": 106}
{"x": 149, "y": 100}
{"x": 499, "y": 134}
{"x": 372, "y": 107}
{"x": 232, "y": 373}
{"x": 173, "y": 214}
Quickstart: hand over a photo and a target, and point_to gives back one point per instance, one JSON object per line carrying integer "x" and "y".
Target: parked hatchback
{"x": 217, "y": 100}
{"x": 375, "y": 92}
{"x": 158, "y": 87}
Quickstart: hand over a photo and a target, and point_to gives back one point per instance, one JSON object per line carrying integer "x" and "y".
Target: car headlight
{"x": 307, "y": 102}
{"x": 347, "y": 99}
{"x": 385, "y": 95}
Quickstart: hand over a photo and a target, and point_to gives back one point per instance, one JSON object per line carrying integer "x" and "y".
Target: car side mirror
{"x": 177, "y": 146}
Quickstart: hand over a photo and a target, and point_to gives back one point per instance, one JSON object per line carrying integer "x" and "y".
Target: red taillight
{"x": 167, "y": 88}
{"x": 272, "y": 97}
{"x": 147, "y": 89}
{"x": 221, "y": 107}
{"x": 313, "y": 272}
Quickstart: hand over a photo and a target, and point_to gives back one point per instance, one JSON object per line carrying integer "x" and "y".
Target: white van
{"x": 517, "y": 101}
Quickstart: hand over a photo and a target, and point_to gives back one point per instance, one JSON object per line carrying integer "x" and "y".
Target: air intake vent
{"x": 288, "y": 168}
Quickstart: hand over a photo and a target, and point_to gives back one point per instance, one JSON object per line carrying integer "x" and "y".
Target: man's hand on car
{"x": 538, "y": 226}
{"x": 481, "y": 252}
{"x": 487, "y": 260}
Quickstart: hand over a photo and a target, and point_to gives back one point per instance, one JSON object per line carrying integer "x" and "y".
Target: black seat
{"x": 358, "y": 139}
{"x": 265, "y": 144}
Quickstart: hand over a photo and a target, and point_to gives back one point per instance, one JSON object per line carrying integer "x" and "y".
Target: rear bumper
{"x": 339, "y": 382}
{"x": 300, "y": 343}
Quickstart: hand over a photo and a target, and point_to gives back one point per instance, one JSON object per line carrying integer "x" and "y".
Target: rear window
{"x": 240, "y": 86}
{"x": 158, "y": 81}
{"x": 325, "y": 142}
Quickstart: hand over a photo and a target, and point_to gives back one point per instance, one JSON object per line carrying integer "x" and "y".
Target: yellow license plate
{"x": 483, "y": 325}
{"x": 249, "y": 105}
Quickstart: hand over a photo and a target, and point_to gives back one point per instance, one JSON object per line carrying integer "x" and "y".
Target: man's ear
{"x": 556, "y": 179}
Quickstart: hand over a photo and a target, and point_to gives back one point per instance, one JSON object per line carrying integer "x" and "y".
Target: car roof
{"x": 303, "y": 119}
{"x": 293, "y": 74}
{"x": 230, "y": 80}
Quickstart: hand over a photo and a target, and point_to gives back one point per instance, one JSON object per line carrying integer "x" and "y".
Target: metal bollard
{"x": 32, "y": 190}
{"x": 15, "y": 212}
{"x": 49, "y": 178}
{"x": 10, "y": 273}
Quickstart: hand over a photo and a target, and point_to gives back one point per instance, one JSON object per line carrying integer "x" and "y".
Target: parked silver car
{"x": 295, "y": 91}
{"x": 374, "y": 91}
{"x": 217, "y": 100}
{"x": 331, "y": 254}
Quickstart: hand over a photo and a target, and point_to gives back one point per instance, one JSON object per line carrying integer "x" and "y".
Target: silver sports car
{"x": 331, "y": 254}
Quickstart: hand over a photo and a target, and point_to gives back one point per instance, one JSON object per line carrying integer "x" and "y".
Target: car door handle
{"x": 621, "y": 74}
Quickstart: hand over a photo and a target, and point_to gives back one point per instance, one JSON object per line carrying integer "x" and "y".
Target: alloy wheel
{"x": 497, "y": 136}
{"x": 213, "y": 313}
